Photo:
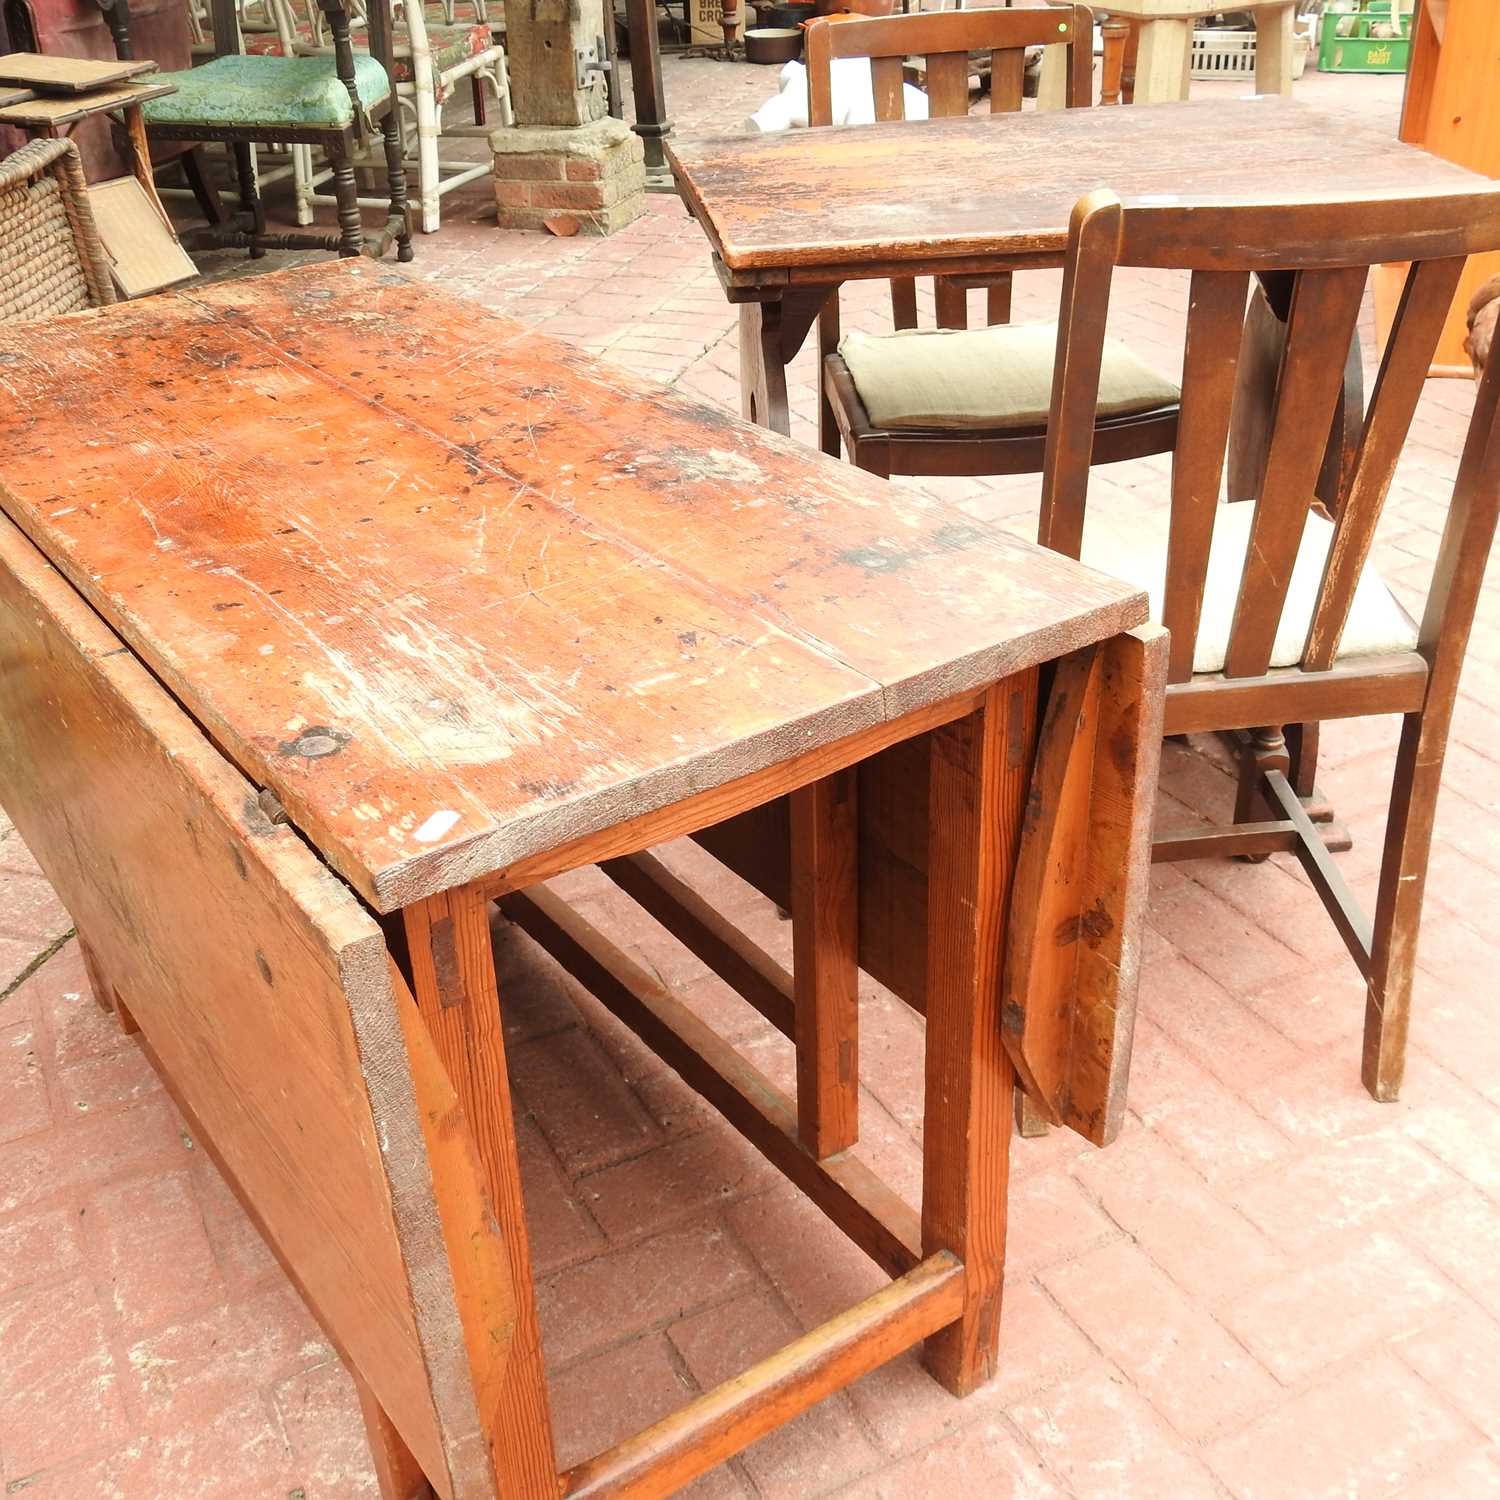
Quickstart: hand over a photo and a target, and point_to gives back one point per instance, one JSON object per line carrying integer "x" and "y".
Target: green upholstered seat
{"x": 267, "y": 91}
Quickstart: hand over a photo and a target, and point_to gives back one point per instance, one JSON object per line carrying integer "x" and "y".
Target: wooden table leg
{"x": 397, "y": 1473}
{"x": 980, "y": 771}
{"x": 825, "y": 943}
{"x": 453, "y": 975}
{"x": 762, "y": 374}
{"x": 771, "y": 333}
{"x": 1162, "y": 62}
{"x": 1273, "y": 49}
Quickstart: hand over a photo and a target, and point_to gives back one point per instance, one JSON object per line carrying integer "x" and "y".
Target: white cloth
{"x": 853, "y": 98}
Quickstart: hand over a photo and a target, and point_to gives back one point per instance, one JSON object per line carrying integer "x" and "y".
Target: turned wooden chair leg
{"x": 1116, "y": 34}
{"x": 397, "y": 1473}
{"x": 395, "y": 171}
{"x": 1261, "y": 750}
{"x": 978, "y": 777}
{"x": 251, "y": 207}
{"x": 346, "y": 194}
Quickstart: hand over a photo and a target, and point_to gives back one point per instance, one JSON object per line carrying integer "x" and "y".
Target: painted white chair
{"x": 430, "y": 64}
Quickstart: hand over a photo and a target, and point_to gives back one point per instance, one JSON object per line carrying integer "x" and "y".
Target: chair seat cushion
{"x": 1134, "y": 548}
{"x": 997, "y": 377}
{"x": 267, "y": 91}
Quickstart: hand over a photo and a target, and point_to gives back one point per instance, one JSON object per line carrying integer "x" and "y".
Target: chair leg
{"x": 429, "y": 169}
{"x": 250, "y": 204}
{"x": 1398, "y": 907}
{"x": 304, "y": 169}
{"x": 205, "y": 194}
{"x": 346, "y": 192}
{"x": 828, "y": 341}
{"x": 1261, "y": 750}
{"x": 395, "y": 172}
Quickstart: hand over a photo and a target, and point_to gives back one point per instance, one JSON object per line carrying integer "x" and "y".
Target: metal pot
{"x": 773, "y": 44}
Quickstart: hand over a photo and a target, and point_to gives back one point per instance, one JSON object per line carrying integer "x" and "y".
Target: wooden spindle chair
{"x": 1276, "y": 615}
{"x": 946, "y": 402}
{"x": 336, "y": 103}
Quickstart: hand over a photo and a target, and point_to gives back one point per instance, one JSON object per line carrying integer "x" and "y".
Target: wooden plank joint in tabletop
{"x": 733, "y": 1415}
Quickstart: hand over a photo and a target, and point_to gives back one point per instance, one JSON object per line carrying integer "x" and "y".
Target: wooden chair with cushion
{"x": 954, "y": 400}
{"x": 330, "y": 102}
{"x": 51, "y": 260}
{"x": 1277, "y": 616}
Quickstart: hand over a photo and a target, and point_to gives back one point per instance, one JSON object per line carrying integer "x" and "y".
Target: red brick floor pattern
{"x": 1269, "y": 1289}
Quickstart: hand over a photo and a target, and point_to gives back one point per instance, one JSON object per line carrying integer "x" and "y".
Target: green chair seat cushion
{"x": 267, "y": 91}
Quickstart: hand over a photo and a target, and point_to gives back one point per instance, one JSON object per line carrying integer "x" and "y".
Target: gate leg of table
{"x": 1162, "y": 62}
{"x": 1273, "y": 50}
{"x": 762, "y": 374}
{"x": 980, "y": 770}
{"x": 453, "y": 975}
{"x": 397, "y": 1473}
{"x": 825, "y": 963}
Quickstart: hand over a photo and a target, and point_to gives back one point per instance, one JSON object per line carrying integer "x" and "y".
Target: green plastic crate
{"x": 1361, "y": 52}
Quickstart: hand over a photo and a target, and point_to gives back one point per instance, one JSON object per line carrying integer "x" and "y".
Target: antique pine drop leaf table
{"x": 334, "y": 609}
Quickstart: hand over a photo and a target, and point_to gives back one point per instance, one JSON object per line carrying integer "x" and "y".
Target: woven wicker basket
{"x": 51, "y": 260}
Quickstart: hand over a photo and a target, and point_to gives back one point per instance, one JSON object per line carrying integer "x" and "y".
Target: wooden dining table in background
{"x": 334, "y": 610}
{"x": 789, "y": 218}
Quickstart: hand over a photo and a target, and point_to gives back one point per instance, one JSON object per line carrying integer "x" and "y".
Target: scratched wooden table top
{"x": 459, "y": 593}
{"x": 842, "y": 201}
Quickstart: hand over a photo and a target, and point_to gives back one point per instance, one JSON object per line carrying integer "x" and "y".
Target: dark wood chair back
{"x": 947, "y": 40}
{"x": 1328, "y": 249}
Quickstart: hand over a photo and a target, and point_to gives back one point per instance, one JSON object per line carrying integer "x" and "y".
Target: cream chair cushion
{"x": 985, "y": 377}
{"x": 1134, "y": 549}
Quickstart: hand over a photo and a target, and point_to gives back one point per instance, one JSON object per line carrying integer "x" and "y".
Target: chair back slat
{"x": 1216, "y": 315}
{"x": 1328, "y": 248}
{"x": 947, "y": 83}
{"x": 946, "y": 40}
{"x": 886, "y": 75}
{"x": 1007, "y": 79}
{"x": 1425, "y": 300}
{"x": 1324, "y": 313}
{"x": 1093, "y": 243}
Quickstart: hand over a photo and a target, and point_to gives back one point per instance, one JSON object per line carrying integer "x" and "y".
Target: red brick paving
{"x": 1269, "y": 1289}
